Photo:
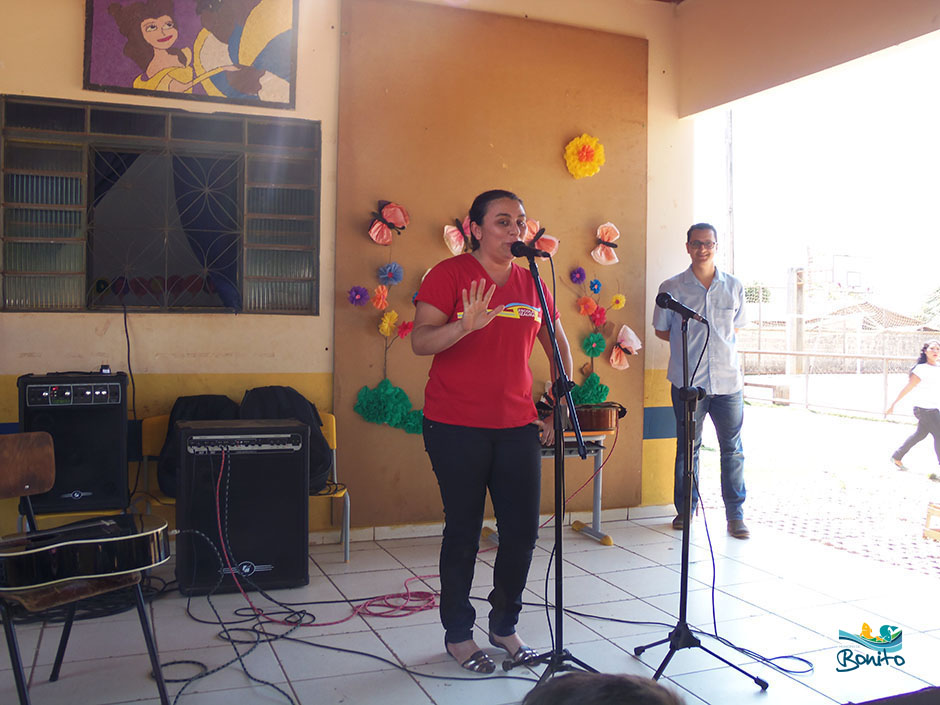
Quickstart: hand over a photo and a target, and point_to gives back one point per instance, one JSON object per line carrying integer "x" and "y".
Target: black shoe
{"x": 678, "y": 523}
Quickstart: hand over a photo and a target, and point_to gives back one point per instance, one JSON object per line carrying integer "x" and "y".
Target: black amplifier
{"x": 86, "y": 415}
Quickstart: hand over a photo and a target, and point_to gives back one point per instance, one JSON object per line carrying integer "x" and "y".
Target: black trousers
{"x": 928, "y": 423}
{"x": 467, "y": 462}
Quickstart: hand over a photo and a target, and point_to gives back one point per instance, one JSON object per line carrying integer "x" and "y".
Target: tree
{"x": 931, "y": 309}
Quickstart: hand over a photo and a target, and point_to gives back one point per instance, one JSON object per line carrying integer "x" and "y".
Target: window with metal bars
{"x": 109, "y": 207}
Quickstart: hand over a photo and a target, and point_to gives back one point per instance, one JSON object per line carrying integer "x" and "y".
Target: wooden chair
{"x": 27, "y": 467}
{"x": 334, "y": 490}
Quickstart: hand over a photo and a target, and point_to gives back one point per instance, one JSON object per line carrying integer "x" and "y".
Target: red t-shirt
{"x": 483, "y": 379}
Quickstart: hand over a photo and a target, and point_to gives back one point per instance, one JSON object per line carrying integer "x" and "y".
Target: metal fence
{"x": 856, "y": 383}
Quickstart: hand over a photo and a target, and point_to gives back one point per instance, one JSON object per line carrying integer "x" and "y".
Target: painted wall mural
{"x": 236, "y": 51}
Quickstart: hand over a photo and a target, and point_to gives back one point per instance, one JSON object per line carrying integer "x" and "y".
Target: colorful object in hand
{"x": 390, "y": 216}
{"x": 584, "y": 156}
{"x": 604, "y": 252}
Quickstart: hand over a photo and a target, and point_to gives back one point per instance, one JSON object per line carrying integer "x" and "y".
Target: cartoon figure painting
{"x": 223, "y": 50}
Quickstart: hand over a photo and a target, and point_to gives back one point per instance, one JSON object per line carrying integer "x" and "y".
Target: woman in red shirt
{"x": 479, "y": 315}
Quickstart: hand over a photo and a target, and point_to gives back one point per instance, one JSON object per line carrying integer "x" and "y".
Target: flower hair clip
{"x": 390, "y": 216}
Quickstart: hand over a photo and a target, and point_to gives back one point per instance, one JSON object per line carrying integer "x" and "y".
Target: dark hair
{"x": 128, "y": 20}
{"x": 700, "y": 226}
{"x": 481, "y": 204}
{"x": 922, "y": 358}
{"x": 600, "y": 689}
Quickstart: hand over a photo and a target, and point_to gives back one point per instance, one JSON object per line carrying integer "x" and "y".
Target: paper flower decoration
{"x": 618, "y": 302}
{"x": 388, "y": 323}
{"x": 599, "y": 317}
{"x": 358, "y": 296}
{"x": 591, "y": 391}
{"x": 627, "y": 344}
{"x": 595, "y": 285}
{"x": 390, "y": 405}
{"x": 380, "y": 297}
{"x": 584, "y": 156}
{"x": 586, "y": 305}
{"x": 577, "y": 275}
{"x": 390, "y": 216}
{"x": 604, "y": 252}
{"x": 390, "y": 274}
{"x": 405, "y": 328}
{"x": 536, "y": 237}
{"x": 457, "y": 236}
{"x": 593, "y": 345}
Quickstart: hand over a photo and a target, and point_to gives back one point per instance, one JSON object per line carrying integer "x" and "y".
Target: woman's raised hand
{"x": 475, "y": 304}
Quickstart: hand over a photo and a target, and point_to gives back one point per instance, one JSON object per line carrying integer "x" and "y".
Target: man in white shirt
{"x": 719, "y": 298}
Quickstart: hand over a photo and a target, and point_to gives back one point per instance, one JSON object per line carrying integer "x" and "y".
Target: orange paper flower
{"x": 380, "y": 297}
{"x": 586, "y": 305}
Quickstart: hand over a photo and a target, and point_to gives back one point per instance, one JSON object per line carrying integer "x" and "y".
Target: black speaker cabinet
{"x": 86, "y": 414}
{"x": 262, "y": 505}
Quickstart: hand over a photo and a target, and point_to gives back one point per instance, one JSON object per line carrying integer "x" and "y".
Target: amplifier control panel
{"x": 244, "y": 443}
{"x": 73, "y": 394}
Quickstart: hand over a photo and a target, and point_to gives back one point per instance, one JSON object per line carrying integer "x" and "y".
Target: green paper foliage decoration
{"x": 390, "y": 405}
{"x": 591, "y": 391}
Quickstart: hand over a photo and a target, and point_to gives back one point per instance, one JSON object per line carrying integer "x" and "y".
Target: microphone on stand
{"x": 665, "y": 300}
{"x": 520, "y": 249}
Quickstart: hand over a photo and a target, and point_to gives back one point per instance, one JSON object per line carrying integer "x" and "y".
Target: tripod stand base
{"x": 681, "y": 637}
{"x": 557, "y": 662}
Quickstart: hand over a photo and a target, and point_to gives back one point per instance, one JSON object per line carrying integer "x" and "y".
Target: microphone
{"x": 665, "y": 300}
{"x": 520, "y": 249}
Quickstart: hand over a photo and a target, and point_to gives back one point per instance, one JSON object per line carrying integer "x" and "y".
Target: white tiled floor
{"x": 776, "y": 595}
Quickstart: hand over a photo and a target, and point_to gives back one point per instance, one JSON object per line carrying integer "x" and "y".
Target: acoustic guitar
{"x": 92, "y": 548}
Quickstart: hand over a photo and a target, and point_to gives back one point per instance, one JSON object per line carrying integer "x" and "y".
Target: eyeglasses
{"x": 698, "y": 244}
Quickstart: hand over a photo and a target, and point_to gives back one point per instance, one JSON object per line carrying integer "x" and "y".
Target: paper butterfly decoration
{"x": 604, "y": 252}
{"x": 390, "y": 216}
{"x": 536, "y": 237}
{"x": 627, "y": 344}
{"x": 457, "y": 236}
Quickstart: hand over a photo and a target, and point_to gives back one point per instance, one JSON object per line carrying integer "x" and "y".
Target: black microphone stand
{"x": 557, "y": 657}
{"x": 681, "y": 637}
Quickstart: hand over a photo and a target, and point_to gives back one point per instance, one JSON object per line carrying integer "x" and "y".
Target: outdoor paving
{"x": 829, "y": 478}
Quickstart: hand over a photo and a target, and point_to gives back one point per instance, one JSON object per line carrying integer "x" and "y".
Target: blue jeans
{"x": 467, "y": 462}
{"x": 727, "y": 414}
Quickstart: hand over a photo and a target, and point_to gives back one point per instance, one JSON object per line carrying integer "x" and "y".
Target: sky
{"x": 844, "y": 163}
